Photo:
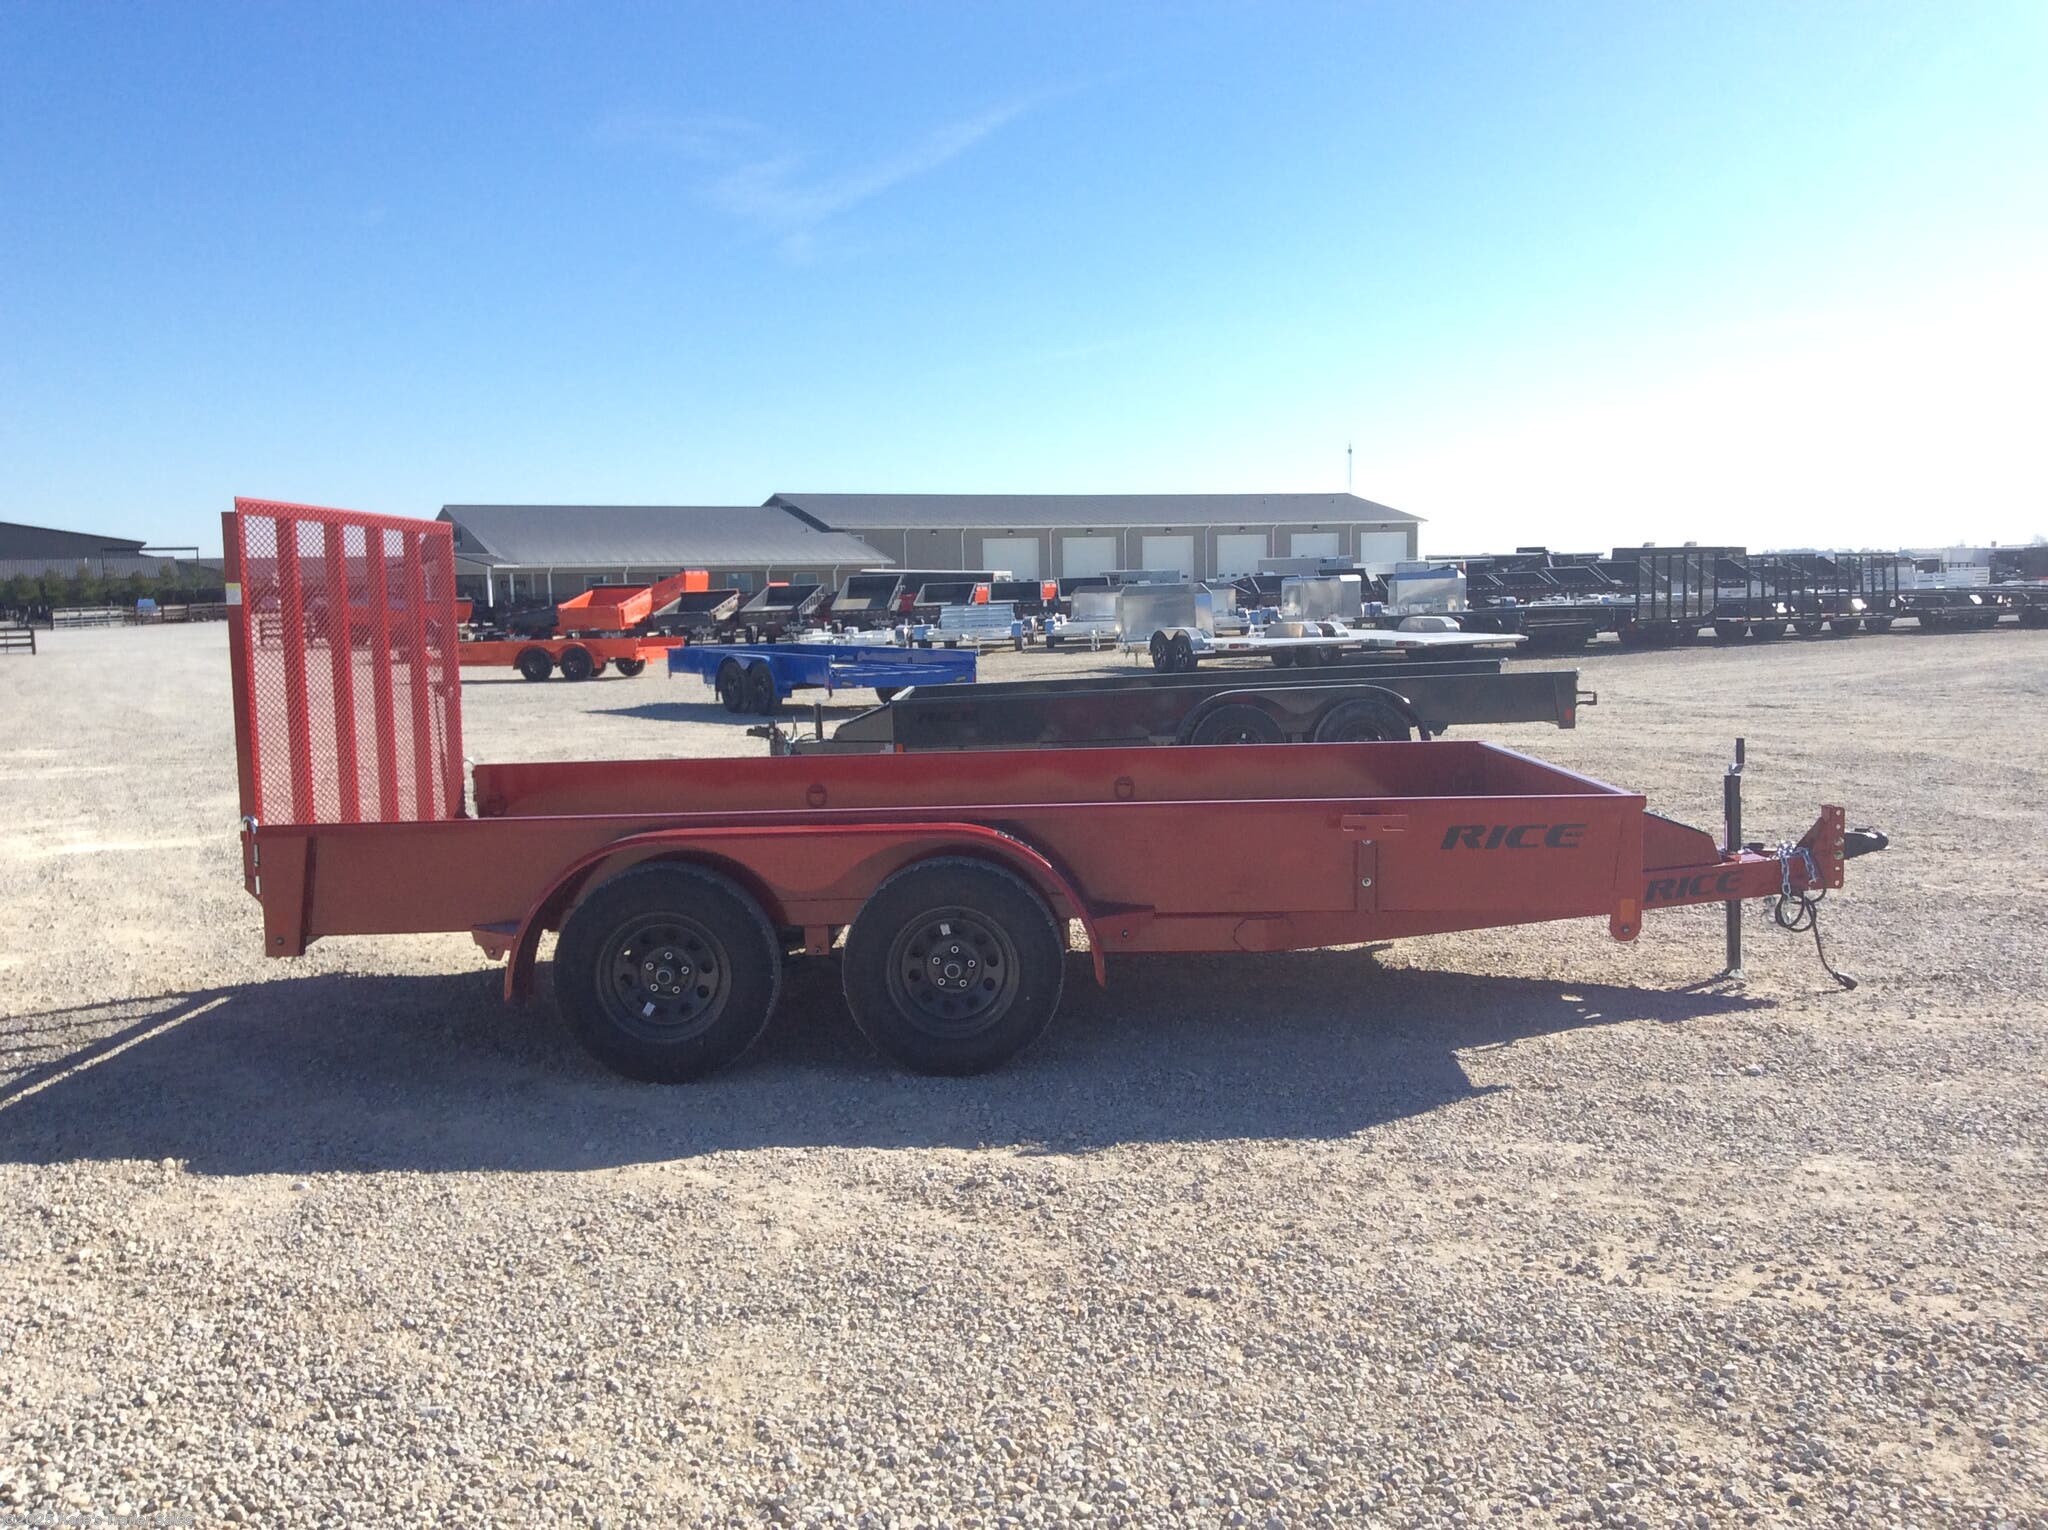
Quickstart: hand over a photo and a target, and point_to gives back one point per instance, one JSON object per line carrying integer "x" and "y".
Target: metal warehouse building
{"x": 520, "y": 552}
{"x": 1047, "y": 536}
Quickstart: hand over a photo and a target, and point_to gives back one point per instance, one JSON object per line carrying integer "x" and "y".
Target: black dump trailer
{"x": 1555, "y": 600}
{"x": 1395, "y": 699}
{"x": 696, "y": 614}
{"x": 777, "y": 609}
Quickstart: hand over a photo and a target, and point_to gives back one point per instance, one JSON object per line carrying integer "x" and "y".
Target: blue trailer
{"x": 759, "y": 677}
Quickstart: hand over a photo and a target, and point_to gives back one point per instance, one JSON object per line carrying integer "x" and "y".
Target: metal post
{"x": 1731, "y": 803}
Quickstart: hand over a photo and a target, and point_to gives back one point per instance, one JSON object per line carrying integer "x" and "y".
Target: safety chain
{"x": 1796, "y": 911}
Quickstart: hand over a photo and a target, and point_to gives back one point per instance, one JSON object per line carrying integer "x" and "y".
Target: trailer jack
{"x": 1796, "y": 910}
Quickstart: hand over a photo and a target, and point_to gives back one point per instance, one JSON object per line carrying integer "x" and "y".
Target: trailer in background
{"x": 1386, "y": 700}
{"x": 990, "y": 624}
{"x": 607, "y": 626}
{"x": 759, "y": 678}
{"x": 697, "y": 614}
{"x": 779, "y": 609}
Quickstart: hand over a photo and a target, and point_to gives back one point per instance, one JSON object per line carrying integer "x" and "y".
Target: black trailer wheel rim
{"x": 952, "y": 972}
{"x": 663, "y": 978}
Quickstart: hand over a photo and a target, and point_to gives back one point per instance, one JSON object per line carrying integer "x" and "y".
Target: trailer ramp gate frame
{"x": 342, "y": 644}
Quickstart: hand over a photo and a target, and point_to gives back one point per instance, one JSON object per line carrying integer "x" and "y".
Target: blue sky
{"x": 1576, "y": 274}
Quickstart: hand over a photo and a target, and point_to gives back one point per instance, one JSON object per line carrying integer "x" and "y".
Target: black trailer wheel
{"x": 1877, "y": 624}
{"x": 1731, "y": 631}
{"x": 1283, "y": 658}
{"x": 630, "y": 667}
{"x": 1363, "y": 719}
{"x": 731, "y": 685}
{"x": 761, "y": 697}
{"x": 1845, "y": 626}
{"x": 667, "y": 973}
{"x": 534, "y": 663}
{"x": 1810, "y": 627}
{"x": 1180, "y": 652}
{"x": 577, "y": 664}
{"x": 953, "y": 966}
{"x": 1157, "y": 649}
{"x": 1236, "y": 722}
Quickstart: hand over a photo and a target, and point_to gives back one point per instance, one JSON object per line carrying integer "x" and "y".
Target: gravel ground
{"x": 1521, "y": 1226}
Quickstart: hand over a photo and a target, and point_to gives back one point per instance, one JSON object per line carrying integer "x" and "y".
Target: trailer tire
{"x": 534, "y": 663}
{"x": 1157, "y": 649}
{"x": 1283, "y": 658}
{"x": 682, "y": 923}
{"x": 731, "y": 685}
{"x": 762, "y": 699}
{"x": 1363, "y": 719}
{"x": 630, "y": 667}
{"x": 953, "y": 966}
{"x": 1731, "y": 631}
{"x": 1180, "y": 654}
{"x": 1235, "y": 722}
{"x": 577, "y": 664}
{"x": 1877, "y": 624}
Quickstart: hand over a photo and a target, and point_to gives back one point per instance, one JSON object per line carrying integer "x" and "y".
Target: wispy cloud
{"x": 747, "y": 175}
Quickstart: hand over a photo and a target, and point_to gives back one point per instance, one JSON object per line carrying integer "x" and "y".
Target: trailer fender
{"x": 701, "y": 845}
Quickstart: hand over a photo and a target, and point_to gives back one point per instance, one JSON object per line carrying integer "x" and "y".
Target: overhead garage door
{"x": 1238, "y": 553}
{"x": 1176, "y": 553}
{"x": 1313, "y": 544}
{"x": 1017, "y": 554}
{"x": 1086, "y": 555}
{"x": 1377, "y": 547}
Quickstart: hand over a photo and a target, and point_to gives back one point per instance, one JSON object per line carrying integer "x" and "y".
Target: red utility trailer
{"x": 592, "y": 630}
{"x": 679, "y": 886}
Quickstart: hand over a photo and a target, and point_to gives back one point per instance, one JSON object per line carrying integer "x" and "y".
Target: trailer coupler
{"x": 1798, "y": 909}
{"x": 1792, "y": 908}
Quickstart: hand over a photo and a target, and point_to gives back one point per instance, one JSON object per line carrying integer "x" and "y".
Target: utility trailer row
{"x": 679, "y": 886}
{"x": 1383, "y": 701}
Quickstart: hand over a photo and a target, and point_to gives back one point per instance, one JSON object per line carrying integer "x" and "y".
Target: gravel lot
{"x": 1522, "y": 1226}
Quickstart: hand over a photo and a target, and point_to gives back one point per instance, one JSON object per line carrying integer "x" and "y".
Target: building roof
{"x": 953, "y": 511}
{"x": 649, "y": 536}
{"x": 19, "y": 541}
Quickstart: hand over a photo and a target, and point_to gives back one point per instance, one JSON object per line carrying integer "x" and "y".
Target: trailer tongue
{"x": 679, "y": 885}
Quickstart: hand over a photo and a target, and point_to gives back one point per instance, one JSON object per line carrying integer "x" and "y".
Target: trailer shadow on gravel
{"x": 352, "y": 1073}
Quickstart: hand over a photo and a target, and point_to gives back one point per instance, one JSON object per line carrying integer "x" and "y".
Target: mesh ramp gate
{"x": 348, "y": 702}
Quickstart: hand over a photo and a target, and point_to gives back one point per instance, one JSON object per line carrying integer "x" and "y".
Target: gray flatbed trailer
{"x": 1335, "y": 703}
